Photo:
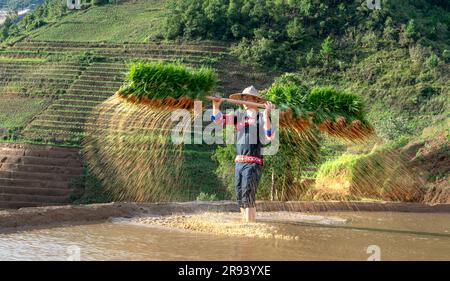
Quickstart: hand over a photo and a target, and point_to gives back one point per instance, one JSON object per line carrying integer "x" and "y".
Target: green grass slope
{"x": 134, "y": 21}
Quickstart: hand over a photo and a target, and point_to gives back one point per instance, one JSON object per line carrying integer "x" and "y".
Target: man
{"x": 249, "y": 161}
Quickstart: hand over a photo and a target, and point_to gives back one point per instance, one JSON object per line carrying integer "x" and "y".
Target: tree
{"x": 411, "y": 30}
{"x": 295, "y": 31}
{"x": 327, "y": 49}
{"x": 6, "y": 26}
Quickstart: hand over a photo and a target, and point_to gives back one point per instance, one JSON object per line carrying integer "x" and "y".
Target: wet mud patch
{"x": 269, "y": 225}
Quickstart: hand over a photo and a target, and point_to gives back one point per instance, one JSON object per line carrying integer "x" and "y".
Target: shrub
{"x": 264, "y": 52}
{"x": 432, "y": 61}
{"x": 206, "y": 197}
{"x": 446, "y": 55}
{"x": 327, "y": 49}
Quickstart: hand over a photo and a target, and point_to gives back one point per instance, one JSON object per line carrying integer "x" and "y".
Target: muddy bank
{"x": 77, "y": 214}
{"x": 269, "y": 225}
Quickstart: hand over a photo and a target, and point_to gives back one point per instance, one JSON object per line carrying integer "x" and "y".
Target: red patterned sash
{"x": 249, "y": 159}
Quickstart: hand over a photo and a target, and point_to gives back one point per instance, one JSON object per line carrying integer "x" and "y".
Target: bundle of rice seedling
{"x": 166, "y": 85}
{"x": 339, "y": 114}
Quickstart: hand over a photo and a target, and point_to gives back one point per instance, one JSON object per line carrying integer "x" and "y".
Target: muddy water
{"x": 346, "y": 236}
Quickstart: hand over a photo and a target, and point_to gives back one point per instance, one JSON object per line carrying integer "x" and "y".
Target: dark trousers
{"x": 247, "y": 176}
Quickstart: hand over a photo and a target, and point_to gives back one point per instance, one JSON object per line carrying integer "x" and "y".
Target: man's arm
{"x": 218, "y": 117}
{"x": 267, "y": 124}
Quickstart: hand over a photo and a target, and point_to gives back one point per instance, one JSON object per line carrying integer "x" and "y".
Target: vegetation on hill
{"x": 48, "y": 11}
{"x": 16, "y": 112}
{"x": 120, "y": 21}
{"x": 291, "y": 34}
{"x": 18, "y": 4}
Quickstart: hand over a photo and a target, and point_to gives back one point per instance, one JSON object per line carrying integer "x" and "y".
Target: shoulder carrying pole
{"x": 241, "y": 102}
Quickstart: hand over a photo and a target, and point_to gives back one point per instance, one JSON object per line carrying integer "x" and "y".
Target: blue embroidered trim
{"x": 215, "y": 117}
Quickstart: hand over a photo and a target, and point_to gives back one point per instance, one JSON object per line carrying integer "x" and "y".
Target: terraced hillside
{"x": 77, "y": 88}
{"x": 68, "y": 79}
{"x": 36, "y": 175}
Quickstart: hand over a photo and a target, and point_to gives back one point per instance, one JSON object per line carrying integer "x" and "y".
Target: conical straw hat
{"x": 249, "y": 91}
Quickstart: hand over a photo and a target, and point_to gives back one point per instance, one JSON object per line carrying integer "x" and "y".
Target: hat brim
{"x": 239, "y": 96}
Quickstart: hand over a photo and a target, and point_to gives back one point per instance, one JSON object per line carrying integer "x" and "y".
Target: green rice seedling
{"x": 335, "y": 112}
{"x": 150, "y": 81}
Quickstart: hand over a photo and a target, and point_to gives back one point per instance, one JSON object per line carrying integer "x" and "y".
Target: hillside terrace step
{"x": 69, "y": 125}
{"x": 45, "y": 147}
{"x": 93, "y": 97}
{"x": 36, "y": 152}
{"x": 39, "y": 62}
{"x": 10, "y": 53}
{"x": 96, "y": 83}
{"x": 69, "y": 113}
{"x": 118, "y": 49}
{"x": 35, "y": 191}
{"x": 18, "y": 175}
{"x": 90, "y": 103}
{"x": 108, "y": 66}
{"x": 87, "y": 90}
{"x": 18, "y": 205}
{"x": 39, "y": 77}
{"x": 49, "y": 79}
{"x": 159, "y": 43}
{"x": 69, "y": 171}
{"x": 39, "y": 69}
{"x": 88, "y": 74}
{"x": 99, "y": 80}
{"x": 33, "y": 183}
{"x": 83, "y": 126}
{"x": 44, "y": 72}
{"x": 5, "y": 197}
{"x": 96, "y": 86}
{"x": 60, "y": 128}
{"x": 109, "y": 46}
{"x": 21, "y": 67}
{"x": 70, "y": 119}
{"x": 61, "y": 133}
{"x": 93, "y": 92}
{"x": 156, "y": 55}
{"x": 6, "y": 84}
{"x": 48, "y": 161}
{"x": 62, "y": 106}
{"x": 33, "y": 64}
{"x": 51, "y": 135}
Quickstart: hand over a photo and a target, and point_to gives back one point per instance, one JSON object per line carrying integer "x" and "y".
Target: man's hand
{"x": 217, "y": 102}
{"x": 269, "y": 106}
{"x": 216, "y": 105}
